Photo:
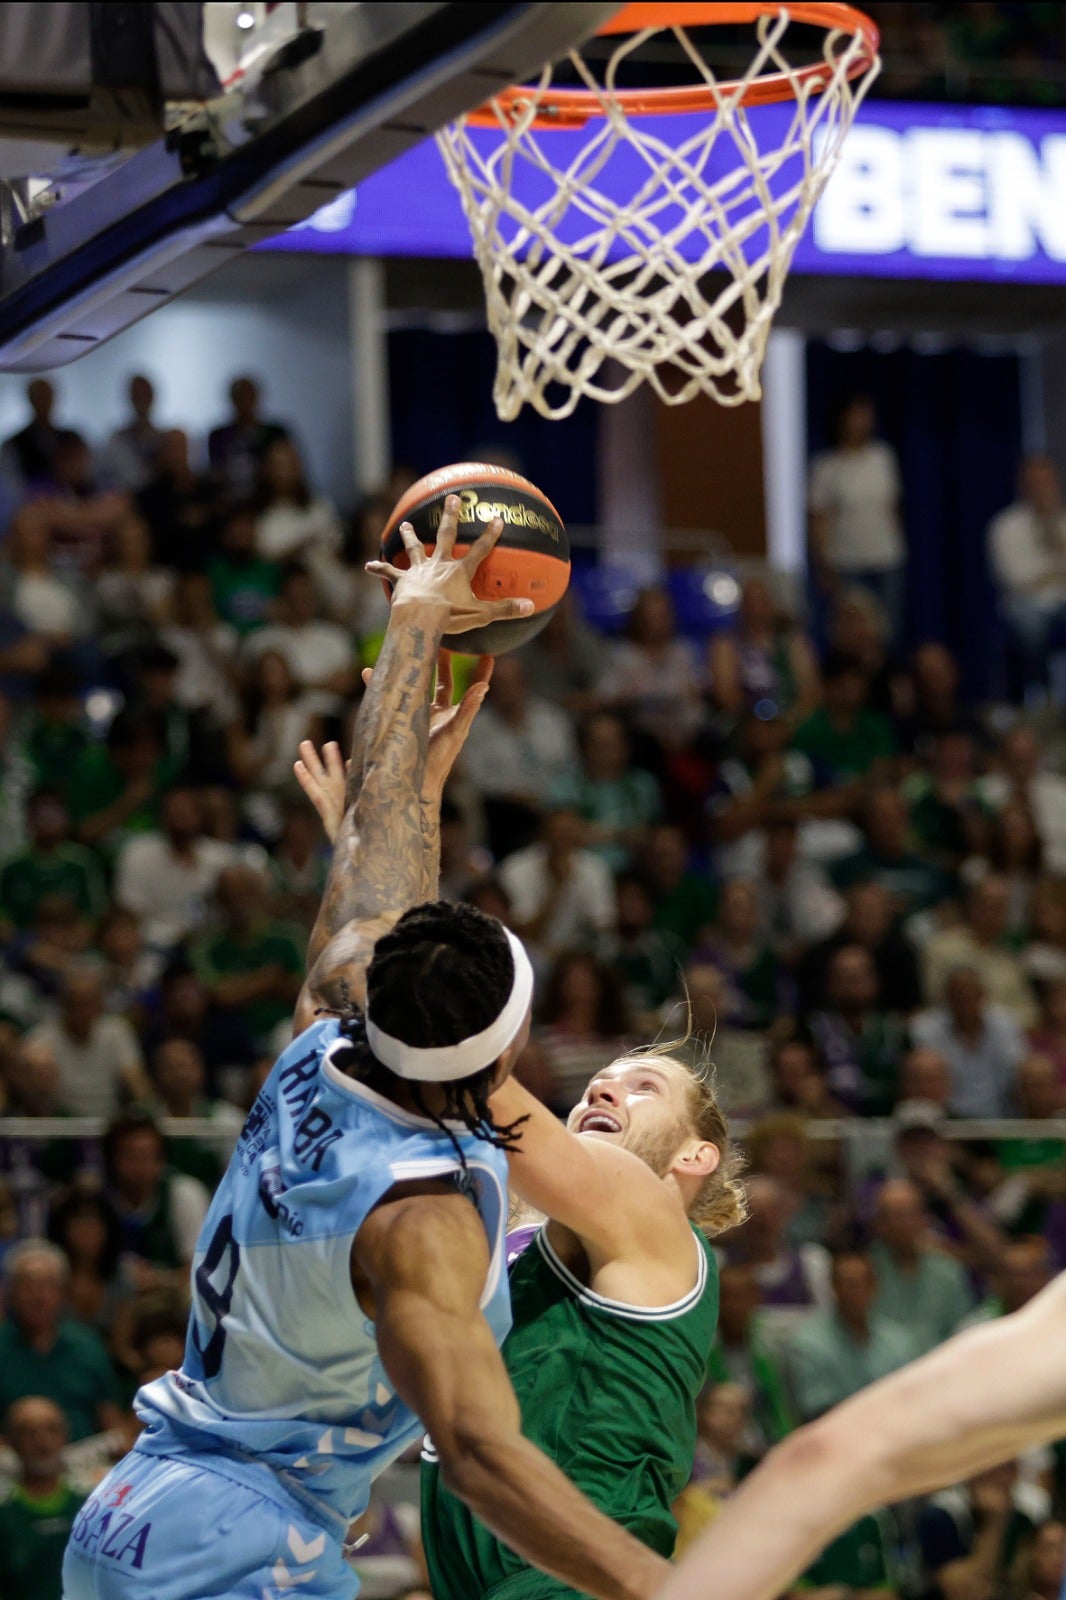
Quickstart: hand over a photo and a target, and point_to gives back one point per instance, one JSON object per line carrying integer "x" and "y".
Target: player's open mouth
{"x": 598, "y": 1122}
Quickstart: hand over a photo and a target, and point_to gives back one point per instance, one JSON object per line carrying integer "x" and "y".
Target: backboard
{"x": 104, "y": 236}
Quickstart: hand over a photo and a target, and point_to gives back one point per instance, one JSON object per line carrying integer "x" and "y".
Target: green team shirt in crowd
{"x": 75, "y": 1373}
{"x": 96, "y": 783}
{"x": 33, "y": 1537}
{"x": 69, "y": 871}
{"x": 631, "y": 801}
{"x": 687, "y": 909}
{"x": 53, "y": 749}
{"x": 244, "y": 590}
{"x": 842, "y": 753}
{"x": 224, "y": 956}
{"x": 857, "y": 1559}
{"x": 929, "y": 1301}
{"x": 608, "y": 1392}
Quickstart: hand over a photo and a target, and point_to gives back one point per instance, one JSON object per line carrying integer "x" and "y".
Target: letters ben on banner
{"x": 920, "y": 191}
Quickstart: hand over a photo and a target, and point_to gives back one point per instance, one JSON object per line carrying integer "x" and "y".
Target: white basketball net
{"x": 629, "y": 300}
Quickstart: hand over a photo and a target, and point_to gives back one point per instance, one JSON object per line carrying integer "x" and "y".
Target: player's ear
{"x": 697, "y": 1159}
{"x": 505, "y": 1065}
{"x": 505, "y": 1062}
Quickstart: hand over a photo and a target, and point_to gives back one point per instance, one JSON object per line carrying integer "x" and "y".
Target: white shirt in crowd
{"x": 202, "y": 682}
{"x": 858, "y": 492}
{"x": 1028, "y": 554}
{"x": 132, "y": 597}
{"x": 585, "y": 907}
{"x": 500, "y": 759}
{"x": 168, "y": 892}
{"x": 1046, "y": 799}
{"x": 45, "y": 604}
{"x": 91, "y": 1072}
{"x": 277, "y": 735}
{"x": 129, "y": 456}
{"x": 661, "y": 692}
{"x": 802, "y": 909}
{"x": 189, "y": 1203}
{"x": 285, "y": 531}
{"x": 983, "y": 1071}
{"x": 313, "y": 652}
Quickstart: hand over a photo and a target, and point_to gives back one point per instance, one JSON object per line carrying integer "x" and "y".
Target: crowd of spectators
{"x": 857, "y": 541}
{"x": 972, "y": 50}
{"x": 811, "y": 861}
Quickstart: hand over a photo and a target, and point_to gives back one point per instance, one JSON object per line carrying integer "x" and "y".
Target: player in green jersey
{"x": 614, "y": 1300}
{"x": 614, "y": 1303}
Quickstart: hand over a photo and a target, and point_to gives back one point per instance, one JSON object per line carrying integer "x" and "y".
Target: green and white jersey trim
{"x": 619, "y": 1308}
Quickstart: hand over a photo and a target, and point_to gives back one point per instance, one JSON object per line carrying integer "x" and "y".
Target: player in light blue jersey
{"x": 349, "y": 1284}
{"x": 984, "y": 1397}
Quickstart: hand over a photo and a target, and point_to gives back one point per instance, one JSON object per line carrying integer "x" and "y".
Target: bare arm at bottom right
{"x": 425, "y": 1259}
{"x": 984, "y": 1397}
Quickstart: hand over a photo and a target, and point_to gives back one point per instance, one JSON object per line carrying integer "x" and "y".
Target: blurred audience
{"x": 982, "y": 1043}
{"x": 840, "y": 1350}
{"x": 133, "y": 449}
{"x": 856, "y": 533}
{"x": 918, "y": 1286}
{"x": 979, "y": 943}
{"x": 1027, "y": 552}
{"x": 519, "y": 748}
{"x": 38, "y": 1513}
{"x": 652, "y": 678}
{"x": 44, "y": 1353}
{"x": 836, "y": 881}
{"x": 236, "y": 448}
{"x": 765, "y": 664}
{"x": 561, "y": 895}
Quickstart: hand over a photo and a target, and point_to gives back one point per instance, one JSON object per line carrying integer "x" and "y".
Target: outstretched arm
{"x": 984, "y": 1397}
{"x": 424, "y": 1260}
{"x": 377, "y": 853}
{"x": 615, "y": 1203}
{"x": 377, "y": 868}
{"x": 324, "y": 777}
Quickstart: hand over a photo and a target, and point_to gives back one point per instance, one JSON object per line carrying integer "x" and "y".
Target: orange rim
{"x": 572, "y": 108}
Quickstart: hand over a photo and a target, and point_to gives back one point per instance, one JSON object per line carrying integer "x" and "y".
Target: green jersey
{"x": 68, "y": 870}
{"x": 33, "y": 1536}
{"x": 608, "y": 1392}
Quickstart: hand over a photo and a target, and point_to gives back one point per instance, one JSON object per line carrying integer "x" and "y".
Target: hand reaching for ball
{"x": 441, "y": 576}
{"x": 323, "y": 777}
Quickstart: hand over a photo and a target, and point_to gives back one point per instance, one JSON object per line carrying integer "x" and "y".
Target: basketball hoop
{"x": 591, "y": 294}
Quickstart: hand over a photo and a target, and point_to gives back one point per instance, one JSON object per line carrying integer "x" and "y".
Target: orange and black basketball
{"x": 530, "y": 562}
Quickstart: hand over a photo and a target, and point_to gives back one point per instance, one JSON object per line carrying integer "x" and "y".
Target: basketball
{"x": 530, "y": 562}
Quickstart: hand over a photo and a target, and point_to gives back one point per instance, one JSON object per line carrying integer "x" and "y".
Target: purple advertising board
{"x": 921, "y": 191}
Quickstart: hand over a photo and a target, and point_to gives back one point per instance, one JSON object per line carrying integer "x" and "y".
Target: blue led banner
{"x": 921, "y": 191}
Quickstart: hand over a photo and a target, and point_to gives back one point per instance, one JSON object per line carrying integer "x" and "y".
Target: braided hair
{"x": 443, "y": 973}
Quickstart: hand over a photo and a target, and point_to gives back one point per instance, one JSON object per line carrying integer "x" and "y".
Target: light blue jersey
{"x": 281, "y": 1366}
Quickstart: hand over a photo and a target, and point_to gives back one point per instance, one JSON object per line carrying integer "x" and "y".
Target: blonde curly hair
{"x": 721, "y": 1201}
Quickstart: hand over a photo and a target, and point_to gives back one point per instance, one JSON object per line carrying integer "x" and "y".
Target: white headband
{"x": 439, "y": 1064}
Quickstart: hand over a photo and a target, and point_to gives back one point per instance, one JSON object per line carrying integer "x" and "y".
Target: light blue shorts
{"x": 183, "y": 1528}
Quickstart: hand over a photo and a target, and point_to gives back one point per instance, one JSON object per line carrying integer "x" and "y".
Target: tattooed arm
{"x": 378, "y": 867}
{"x": 324, "y": 779}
